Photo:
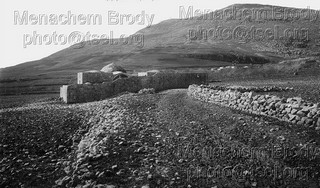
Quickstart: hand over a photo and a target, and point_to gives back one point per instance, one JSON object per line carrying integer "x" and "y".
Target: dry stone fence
{"x": 293, "y": 110}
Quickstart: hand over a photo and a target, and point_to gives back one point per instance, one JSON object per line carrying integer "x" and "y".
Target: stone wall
{"x": 98, "y": 91}
{"x": 94, "y": 77}
{"x": 292, "y": 110}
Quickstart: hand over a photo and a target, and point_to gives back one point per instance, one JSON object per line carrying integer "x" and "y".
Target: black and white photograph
{"x": 160, "y": 94}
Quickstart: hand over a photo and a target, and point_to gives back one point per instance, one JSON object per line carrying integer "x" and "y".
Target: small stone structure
{"x": 97, "y": 87}
{"x": 292, "y": 110}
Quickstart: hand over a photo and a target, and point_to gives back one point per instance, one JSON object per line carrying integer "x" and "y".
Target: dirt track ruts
{"x": 171, "y": 140}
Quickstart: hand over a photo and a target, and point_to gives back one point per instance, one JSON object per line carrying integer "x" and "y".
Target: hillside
{"x": 172, "y": 44}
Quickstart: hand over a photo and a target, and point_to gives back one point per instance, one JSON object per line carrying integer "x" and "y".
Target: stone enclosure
{"x": 293, "y": 110}
{"x": 97, "y": 85}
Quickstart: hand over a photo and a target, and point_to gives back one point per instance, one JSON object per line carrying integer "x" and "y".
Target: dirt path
{"x": 156, "y": 140}
{"x": 207, "y": 141}
{"x": 171, "y": 140}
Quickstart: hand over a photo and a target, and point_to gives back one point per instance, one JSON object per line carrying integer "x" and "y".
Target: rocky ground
{"x": 152, "y": 140}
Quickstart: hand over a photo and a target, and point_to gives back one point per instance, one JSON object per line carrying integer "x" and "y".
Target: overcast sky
{"x": 18, "y": 38}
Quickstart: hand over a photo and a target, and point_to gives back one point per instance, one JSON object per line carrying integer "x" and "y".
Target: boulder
{"x": 301, "y": 113}
{"x": 305, "y": 109}
{"x": 294, "y": 111}
{"x": 297, "y": 99}
{"x": 288, "y": 110}
{"x": 292, "y": 117}
{"x": 275, "y": 98}
{"x": 295, "y": 106}
{"x": 303, "y": 119}
{"x": 289, "y": 100}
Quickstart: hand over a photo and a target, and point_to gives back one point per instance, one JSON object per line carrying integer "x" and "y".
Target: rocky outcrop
{"x": 293, "y": 110}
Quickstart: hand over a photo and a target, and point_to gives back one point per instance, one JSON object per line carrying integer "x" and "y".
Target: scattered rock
{"x": 147, "y": 91}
